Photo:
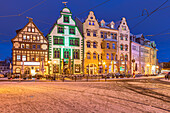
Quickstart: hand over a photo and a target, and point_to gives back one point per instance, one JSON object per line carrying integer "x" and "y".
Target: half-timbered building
{"x": 30, "y": 51}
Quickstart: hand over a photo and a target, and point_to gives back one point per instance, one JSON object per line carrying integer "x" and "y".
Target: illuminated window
{"x": 37, "y": 58}
{"x": 29, "y": 29}
{"x": 34, "y": 38}
{"x": 28, "y": 37}
{"x": 102, "y": 24}
{"x": 33, "y": 29}
{"x": 38, "y": 38}
{"x": 121, "y": 57}
{"x": 24, "y": 37}
{"x": 112, "y": 26}
{"x": 94, "y": 55}
{"x": 88, "y": 56}
{"x": 18, "y": 58}
{"x": 27, "y": 46}
{"x": 23, "y": 57}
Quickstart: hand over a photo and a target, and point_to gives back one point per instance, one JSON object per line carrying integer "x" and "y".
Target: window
{"x": 126, "y": 58}
{"x": 112, "y": 26}
{"x": 94, "y": 55}
{"x": 93, "y": 23}
{"x": 101, "y": 34}
{"x": 60, "y": 29}
{"x": 88, "y": 56}
{"x": 18, "y": 58}
{"x": 112, "y": 56}
{"x": 115, "y": 57}
{"x": 33, "y": 29}
{"x": 88, "y": 44}
{"x": 38, "y": 46}
{"x": 24, "y": 37}
{"x": 66, "y": 19}
{"x": 126, "y": 37}
{"x": 111, "y": 35}
{"x": 113, "y": 46}
{"x": 59, "y": 40}
{"x": 32, "y": 58}
{"x": 33, "y": 46}
{"x": 88, "y": 32}
{"x": 34, "y": 38}
{"x": 107, "y": 56}
{"x": 23, "y": 57}
{"x": 71, "y": 42}
{"x": 126, "y": 47}
{"x": 28, "y": 37}
{"x": 22, "y": 45}
{"x": 66, "y": 54}
{"x": 91, "y": 17}
{"x": 29, "y": 29}
{"x": 121, "y": 57}
{"x": 121, "y": 37}
{"x": 105, "y": 35}
{"x": 77, "y": 42}
{"x": 38, "y": 38}
{"x": 123, "y": 27}
{"x": 108, "y": 46}
{"x": 94, "y": 44}
{"x": 94, "y": 33}
{"x": 56, "y": 54}
{"x": 72, "y": 31}
{"x": 102, "y": 24}
{"x": 121, "y": 46}
{"x": 27, "y": 46}
{"x": 101, "y": 56}
{"x": 89, "y": 22}
{"x": 115, "y": 36}
{"x": 76, "y": 55}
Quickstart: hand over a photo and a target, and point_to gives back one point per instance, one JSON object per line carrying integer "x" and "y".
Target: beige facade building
{"x": 30, "y": 51}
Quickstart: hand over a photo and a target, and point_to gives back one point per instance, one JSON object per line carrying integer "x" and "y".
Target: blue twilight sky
{"x": 49, "y": 11}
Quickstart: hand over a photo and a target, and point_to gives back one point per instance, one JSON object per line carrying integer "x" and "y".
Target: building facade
{"x": 30, "y": 51}
{"x": 4, "y": 67}
{"x": 65, "y": 46}
{"x": 144, "y": 52}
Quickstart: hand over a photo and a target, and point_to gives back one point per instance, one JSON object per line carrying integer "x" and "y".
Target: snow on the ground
{"x": 102, "y": 97}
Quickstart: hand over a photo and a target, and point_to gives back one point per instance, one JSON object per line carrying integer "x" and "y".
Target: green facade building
{"x": 65, "y": 46}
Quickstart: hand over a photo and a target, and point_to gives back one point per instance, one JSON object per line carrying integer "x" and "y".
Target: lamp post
{"x": 133, "y": 61}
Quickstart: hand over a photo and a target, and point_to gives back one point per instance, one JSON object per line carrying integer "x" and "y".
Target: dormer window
{"x": 112, "y": 26}
{"x": 102, "y": 24}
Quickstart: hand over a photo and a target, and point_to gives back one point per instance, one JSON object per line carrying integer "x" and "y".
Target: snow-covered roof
{"x": 117, "y": 24}
{"x": 107, "y": 39}
{"x": 139, "y": 35}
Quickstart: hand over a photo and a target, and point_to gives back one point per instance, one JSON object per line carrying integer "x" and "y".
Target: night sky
{"x": 48, "y": 12}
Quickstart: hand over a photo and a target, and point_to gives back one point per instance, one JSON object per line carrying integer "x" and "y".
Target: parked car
{"x": 1, "y": 76}
{"x": 167, "y": 76}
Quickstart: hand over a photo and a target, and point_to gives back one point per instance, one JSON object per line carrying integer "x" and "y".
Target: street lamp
{"x": 133, "y": 61}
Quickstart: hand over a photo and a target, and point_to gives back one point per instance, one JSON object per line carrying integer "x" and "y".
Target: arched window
{"x": 94, "y": 55}
{"x": 88, "y": 44}
{"x": 94, "y": 44}
{"x": 126, "y": 57}
{"x": 88, "y": 56}
{"x": 121, "y": 46}
{"x": 121, "y": 57}
{"x": 126, "y": 47}
{"x": 107, "y": 56}
{"x": 18, "y": 70}
{"x": 113, "y": 46}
